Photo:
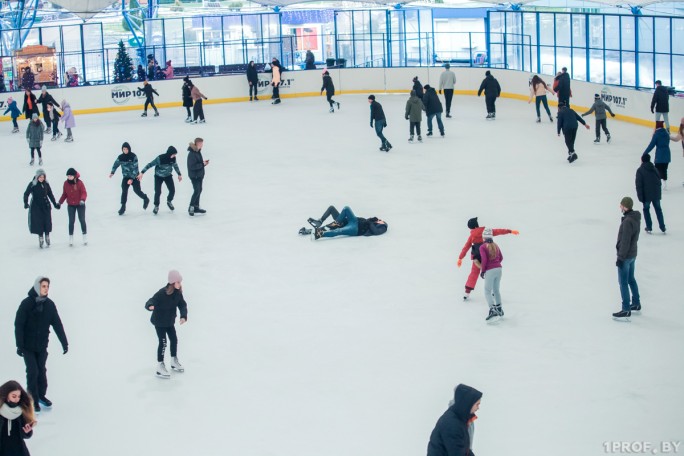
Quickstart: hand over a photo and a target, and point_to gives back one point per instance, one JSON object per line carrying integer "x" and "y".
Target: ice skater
{"x": 68, "y": 119}
{"x": 661, "y": 103}
{"x": 129, "y": 170}
{"x": 418, "y": 87}
{"x": 454, "y": 432}
{"x": 538, "y": 89}
{"x": 75, "y": 194}
{"x": 197, "y": 109}
{"x": 447, "y": 82}
{"x": 628, "y": 237}
{"x": 186, "y": 94}
{"x": 163, "y": 306}
{"x": 36, "y": 314}
{"x": 45, "y": 99}
{"x": 149, "y": 98}
{"x": 14, "y": 113}
{"x": 196, "y": 165}
{"x": 276, "y": 79}
{"x": 492, "y": 91}
{"x": 34, "y": 136}
{"x": 563, "y": 87}
{"x": 475, "y": 240}
{"x": 17, "y": 419}
{"x": 490, "y": 270}
{"x": 661, "y": 142}
{"x": 329, "y": 88}
{"x": 164, "y": 165}
{"x": 567, "y": 122}
{"x": 345, "y": 223}
{"x": 414, "y": 114}
{"x": 40, "y": 211}
{"x": 649, "y": 191}
{"x": 599, "y": 108}
{"x": 433, "y": 109}
{"x": 252, "y": 80}
{"x": 30, "y": 104}
{"x": 377, "y": 116}
{"x": 54, "y": 116}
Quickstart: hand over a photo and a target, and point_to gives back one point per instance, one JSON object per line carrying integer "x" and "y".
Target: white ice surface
{"x": 349, "y": 347}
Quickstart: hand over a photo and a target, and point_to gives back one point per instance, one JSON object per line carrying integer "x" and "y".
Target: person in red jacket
{"x": 75, "y": 194}
{"x": 473, "y": 244}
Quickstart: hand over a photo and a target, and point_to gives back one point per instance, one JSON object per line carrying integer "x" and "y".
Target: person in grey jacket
{"x": 164, "y": 165}
{"x": 447, "y": 82}
{"x": 649, "y": 191}
{"x": 34, "y": 136}
{"x": 129, "y": 169}
{"x": 196, "y": 165}
{"x": 599, "y": 108}
{"x": 414, "y": 114}
{"x": 628, "y": 236}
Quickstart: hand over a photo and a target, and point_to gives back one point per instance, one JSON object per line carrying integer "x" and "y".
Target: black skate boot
{"x": 623, "y": 315}
{"x": 45, "y": 402}
{"x": 608, "y": 138}
{"x": 155, "y": 211}
{"x": 191, "y": 211}
{"x": 146, "y": 202}
{"x": 597, "y": 140}
{"x": 122, "y": 210}
{"x": 199, "y": 210}
{"x": 170, "y": 204}
{"x": 411, "y": 138}
{"x": 388, "y": 146}
{"x": 144, "y": 114}
{"x": 316, "y": 223}
{"x": 635, "y": 308}
{"x": 303, "y": 231}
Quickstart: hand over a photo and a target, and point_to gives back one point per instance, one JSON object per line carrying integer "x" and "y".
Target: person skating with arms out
{"x": 129, "y": 169}
{"x": 490, "y": 270}
{"x": 377, "y": 116}
{"x": 538, "y": 89}
{"x": 628, "y": 237}
{"x": 329, "y": 88}
{"x": 473, "y": 244}
{"x": 75, "y": 194}
{"x": 149, "y": 98}
{"x": 567, "y": 123}
{"x": 164, "y": 165}
{"x": 40, "y": 212}
{"x": 163, "y": 306}
{"x": 17, "y": 419}
{"x": 14, "y": 113}
{"x": 599, "y": 108}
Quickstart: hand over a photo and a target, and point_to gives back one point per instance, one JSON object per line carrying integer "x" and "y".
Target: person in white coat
{"x": 447, "y": 81}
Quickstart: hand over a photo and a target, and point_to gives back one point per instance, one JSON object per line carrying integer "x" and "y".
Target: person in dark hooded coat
{"x": 649, "y": 191}
{"x": 129, "y": 169}
{"x": 329, "y": 88}
{"x": 187, "y": 97}
{"x": 164, "y": 165}
{"x": 418, "y": 87}
{"x": 454, "y": 431}
{"x": 40, "y": 213}
{"x": 433, "y": 108}
{"x": 252, "y": 80}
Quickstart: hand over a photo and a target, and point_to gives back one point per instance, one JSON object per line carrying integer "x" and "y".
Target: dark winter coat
{"x": 33, "y": 321}
{"x": 141, "y": 73}
{"x": 490, "y": 86}
{"x": 567, "y": 120}
{"x": 328, "y": 85}
{"x": 34, "y": 133}
{"x": 661, "y": 142}
{"x": 431, "y": 102}
{"x": 28, "y": 79}
{"x": 195, "y": 162}
{"x": 252, "y": 74}
{"x": 40, "y": 211}
{"x": 376, "y": 113}
{"x": 648, "y": 184}
{"x": 12, "y": 442}
{"x": 451, "y": 436}
{"x": 414, "y": 109}
{"x": 563, "y": 88}
{"x": 164, "y": 164}
{"x": 310, "y": 61}
{"x": 628, "y": 235}
{"x": 46, "y": 98}
{"x": 187, "y": 97}
{"x": 148, "y": 90}
{"x": 34, "y": 103}
{"x": 73, "y": 191}
{"x": 165, "y": 305}
{"x": 600, "y": 108}
{"x": 370, "y": 227}
{"x": 128, "y": 163}
{"x": 661, "y": 100}
{"x": 418, "y": 88}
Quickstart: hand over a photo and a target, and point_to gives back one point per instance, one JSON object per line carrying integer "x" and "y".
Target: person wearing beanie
{"x": 490, "y": 270}
{"x": 475, "y": 240}
{"x": 417, "y": 87}
{"x": 599, "y": 108}
{"x": 628, "y": 236}
{"x": 661, "y": 142}
{"x": 14, "y": 113}
{"x": 40, "y": 211}
{"x": 44, "y": 99}
{"x": 567, "y": 123}
{"x": 492, "y": 90}
{"x": 17, "y": 418}
{"x": 661, "y": 103}
{"x": 562, "y": 87}
{"x": 164, "y": 165}
{"x": 196, "y": 165}
{"x": 54, "y": 117}
{"x": 187, "y": 97}
{"x": 129, "y": 170}
{"x": 414, "y": 114}
{"x": 252, "y": 80}
{"x": 163, "y": 306}
{"x": 68, "y": 119}
{"x": 377, "y": 116}
{"x": 35, "y": 315}
{"x": 433, "y": 109}
{"x": 538, "y": 89}
{"x": 148, "y": 90}
{"x": 168, "y": 70}
{"x": 34, "y": 136}
{"x": 454, "y": 432}
{"x": 30, "y": 104}
{"x": 75, "y": 194}
{"x": 447, "y": 82}
{"x": 648, "y": 188}
{"x": 329, "y": 88}
{"x": 310, "y": 61}
{"x": 141, "y": 73}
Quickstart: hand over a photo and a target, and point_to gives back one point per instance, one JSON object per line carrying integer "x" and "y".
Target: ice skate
{"x": 250, "y": 98}
{"x": 59, "y": 134}
{"x": 466, "y": 296}
{"x": 85, "y": 239}
{"x": 331, "y": 110}
{"x": 45, "y": 402}
{"x": 47, "y": 240}
{"x": 54, "y": 138}
{"x": 191, "y": 211}
{"x": 538, "y": 119}
{"x": 155, "y": 211}
{"x": 202, "y": 121}
{"x": 420, "y": 138}
{"x": 623, "y": 315}
{"x": 303, "y": 231}
{"x": 429, "y": 133}
{"x": 572, "y": 157}
{"x": 47, "y": 129}
{"x": 36, "y": 407}
{"x": 551, "y": 119}
{"x": 441, "y": 133}
{"x": 338, "y": 105}
{"x": 176, "y": 365}
{"x": 316, "y": 223}
{"x": 156, "y": 113}
{"x": 16, "y": 130}
{"x": 256, "y": 98}
{"x": 636, "y": 308}
{"x": 199, "y": 210}
{"x": 188, "y": 119}
{"x": 388, "y": 147}
{"x": 383, "y": 149}
{"x": 41, "y": 242}
{"x": 597, "y": 140}
{"x": 411, "y": 138}
{"x": 71, "y": 240}
{"x": 170, "y": 204}
{"x": 448, "y": 115}
{"x": 495, "y": 314}
{"x": 493, "y": 115}
{"x": 40, "y": 161}
{"x": 489, "y": 116}
{"x": 144, "y": 114}
{"x": 69, "y": 139}
{"x": 146, "y": 202}
{"x": 32, "y": 162}
{"x": 122, "y": 209}
{"x": 608, "y": 138}
{"x": 162, "y": 372}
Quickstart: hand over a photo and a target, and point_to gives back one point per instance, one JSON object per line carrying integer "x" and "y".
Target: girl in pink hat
{"x": 14, "y": 113}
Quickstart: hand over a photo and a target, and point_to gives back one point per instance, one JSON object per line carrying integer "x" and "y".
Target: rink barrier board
{"x": 628, "y": 104}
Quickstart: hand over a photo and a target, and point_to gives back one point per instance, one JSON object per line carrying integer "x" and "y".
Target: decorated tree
{"x": 123, "y": 65}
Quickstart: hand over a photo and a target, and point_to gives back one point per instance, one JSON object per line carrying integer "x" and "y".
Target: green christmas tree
{"x": 123, "y": 66}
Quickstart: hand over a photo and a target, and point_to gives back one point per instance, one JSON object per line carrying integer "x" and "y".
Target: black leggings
{"x": 168, "y": 180}
{"x": 415, "y": 126}
{"x": 72, "y": 210}
{"x": 33, "y": 149}
{"x": 187, "y": 108}
{"x": 161, "y": 335}
{"x": 136, "y": 188}
{"x": 662, "y": 170}
{"x": 150, "y": 101}
{"x": 570, "y": 139}
{"x": 253, "y": 88}
{"x": 330, "y": 99}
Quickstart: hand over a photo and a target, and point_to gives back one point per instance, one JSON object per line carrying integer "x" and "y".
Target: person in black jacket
{"x": 54, "y": 115}
{"x": 30, "y": 104}
{"x": 252, "y": 80}
{"x": 149, "y": 98}
{"x": 628, "y": 236}
{"x": 418, "y": 87}
{"x": 196, "y": 165}
{"x": 44, "y": 99}
{"x": 567, "y": 122}
{"x": 453, "y": 433}
{"x": 433, "y": 108}
{"x": 563, "y": 89}
{"x": 187, "y": 97}
{"x": 163, "y": 306}
{"x": 661, "y": 103}
{"x": 40, "y": 214}
{"x": 377, "y": 115}
{"x": 141, "y": 73}
{"x": 309, "y": 61}
{"x": 36, "y": 314}
{"x": 17, "y": 419}
{"x": 329, "y": 88}
{"x": 649, "y": 191}
{"x": 345, "y": 223}
{"x": 492, "y": 91}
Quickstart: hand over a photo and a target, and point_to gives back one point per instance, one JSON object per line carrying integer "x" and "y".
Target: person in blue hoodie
{"x": 14, "y": 113}
{"x": 129, "y": 169}
{"x": 164, "y": 165}
{"x": 346, "y": 223}
{"x": 453, "y": 434}
{"x": 661, "y": 142}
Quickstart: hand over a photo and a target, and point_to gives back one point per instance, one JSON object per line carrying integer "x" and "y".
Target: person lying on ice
{"x": 346, "y": 224}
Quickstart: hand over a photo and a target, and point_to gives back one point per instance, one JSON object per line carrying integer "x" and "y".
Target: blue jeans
{"x": 379, "y": 125}
{"x": 627, "y": 283}
{"x": 659, "y": 215}
{"x": 439, "y": 122}
{"x": 350, "y": 225}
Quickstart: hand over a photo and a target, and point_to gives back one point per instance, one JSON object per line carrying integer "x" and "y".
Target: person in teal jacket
{"x": 164, "y": 165}
{"x": 14, "y": 113}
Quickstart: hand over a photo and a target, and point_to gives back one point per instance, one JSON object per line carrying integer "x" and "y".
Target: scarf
{"x": 11, "y": 414}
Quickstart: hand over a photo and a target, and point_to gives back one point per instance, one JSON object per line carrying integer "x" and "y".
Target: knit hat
{"x": 325, "y": 72}
{"x": 9, "y": 100}
{"x": 472, "y": 223}
{"x": 627, "y": 202}
{"x": 487, "y": 73}
{"x": 71, "y": 172}
{"x": 487, "y": 234}
{"x": 447, "y": 66}
{"x": 597, "y": 96}
{"x": 645, "y": 158}
{"x": 371, "y": 97}
{"x": 427, "y": 87}
{"x": 34, "y": 116}
{"x": 40, "y": 172}
{"x": 44, "y": 88}
{"x": 659, "y": 124}
{"x": 175, "y": 276}
{"x": 415, "y": 78}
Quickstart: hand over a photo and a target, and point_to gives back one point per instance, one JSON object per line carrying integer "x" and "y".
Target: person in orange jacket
{"x": 473, "y": 244}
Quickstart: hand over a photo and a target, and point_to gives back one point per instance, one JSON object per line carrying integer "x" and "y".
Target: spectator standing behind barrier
{"x": 447, "y": 82}
{"x": 661, "y": 103}
{"x": 252, "y": 80}
{"x": 141, "y": 73}
{"x": 648, "y": 188}
{"x": 310, "y": 61}
{"x": 168, "y": 71}
{"x": 492, "y": 91}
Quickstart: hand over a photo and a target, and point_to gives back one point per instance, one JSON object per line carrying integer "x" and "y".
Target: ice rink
{"x": 350, "y": 347}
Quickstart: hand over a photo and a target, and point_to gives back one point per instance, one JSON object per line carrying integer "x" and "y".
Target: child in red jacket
{"x": 473, "y": 244}
{"x": 75, "y": 195}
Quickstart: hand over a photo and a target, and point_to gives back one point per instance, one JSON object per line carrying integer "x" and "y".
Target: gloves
{"x": 26, "y": 205}
{"x": 57, "y": 206}
{"x": 385, "y": 124}
{"x": 651, "y": 110}
{"x": 459, "y": 262}
{"x": 81, "y": 203}
{"x": 20, "y": 352}
{"x": 619, "y": 263}
{"x": 612, "y": 115}
{"x": 406, "y": 117}
{"x": 371, "y": 124}
{"x": 66, "y": 349}
{"x": 516, "y": 232}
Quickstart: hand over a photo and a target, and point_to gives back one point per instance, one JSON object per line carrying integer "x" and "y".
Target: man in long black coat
{"x": 649, "y": 191}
